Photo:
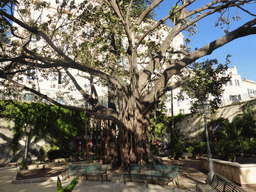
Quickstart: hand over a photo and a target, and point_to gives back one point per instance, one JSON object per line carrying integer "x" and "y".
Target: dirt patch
{"x": 37, "y": 173}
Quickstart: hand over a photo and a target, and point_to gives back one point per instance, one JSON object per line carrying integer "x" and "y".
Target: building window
{"x": 235, "y": 98}
{"x": 169, "y": 110}
{"x": 237, "y": 83}
{"x": 60, "y": 100}
{"x": 29, "y": 97}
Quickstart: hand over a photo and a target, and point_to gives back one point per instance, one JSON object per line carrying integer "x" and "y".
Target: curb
{"x": 15, "y": 181}
{"x": 35, "y": 180}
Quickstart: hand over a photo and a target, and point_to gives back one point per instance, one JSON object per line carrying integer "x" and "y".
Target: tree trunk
{"x": 134, "y": 146}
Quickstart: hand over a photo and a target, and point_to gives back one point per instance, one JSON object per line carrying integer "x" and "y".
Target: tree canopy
{"x": 116, "y": 43}
{"x": 205, "y": 83}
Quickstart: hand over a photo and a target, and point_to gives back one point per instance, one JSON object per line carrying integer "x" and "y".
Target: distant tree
{"x": 202, "y": 82}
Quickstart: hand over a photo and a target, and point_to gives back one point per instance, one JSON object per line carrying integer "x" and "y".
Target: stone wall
{"x": 193, "y": 126}
{"x": 242, "y": 174}
{"x": 6, "y": 153}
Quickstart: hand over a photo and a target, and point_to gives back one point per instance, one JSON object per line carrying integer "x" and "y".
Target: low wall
{"x": 242, "y": 174}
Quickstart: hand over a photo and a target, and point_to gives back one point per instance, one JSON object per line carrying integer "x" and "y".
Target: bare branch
{"x": 246, "y": 11}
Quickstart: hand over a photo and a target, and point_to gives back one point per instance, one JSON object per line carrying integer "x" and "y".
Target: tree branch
{"x": 244, "y": 30}
{"x": 246, "y": 11}
{"x": 100, "y": 112}
{"x": 148, "y": 10}
{"x": 162, "y": 21}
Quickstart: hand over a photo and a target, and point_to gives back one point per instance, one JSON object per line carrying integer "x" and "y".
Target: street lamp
{"x": 27, "y": 132}
{"x": 204, "y": 108}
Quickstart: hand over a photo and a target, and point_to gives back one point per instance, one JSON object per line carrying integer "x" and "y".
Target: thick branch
{"x": 100, "y": 112}
{"x": 120, "y": 15}
{"x": 176, "y": 30}
{"x": 162, "y": 21}
{"x": 74, "y": 65}
{"x": 148, "y": 10}
{"x": 78, "y": 87}
{"x": 242, "y": 31}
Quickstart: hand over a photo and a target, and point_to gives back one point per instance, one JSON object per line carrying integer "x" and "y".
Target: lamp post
{"x": 204, "y": 109}
{"x": 27, "y": 132}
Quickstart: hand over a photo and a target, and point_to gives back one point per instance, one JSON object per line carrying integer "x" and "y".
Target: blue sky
{"x": 243, "y": 50}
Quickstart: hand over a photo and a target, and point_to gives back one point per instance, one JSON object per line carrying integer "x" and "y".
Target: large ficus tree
{"x": 114, "y": 42}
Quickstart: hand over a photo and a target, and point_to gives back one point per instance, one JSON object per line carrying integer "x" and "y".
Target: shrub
{"x": 24, "y": 165}
{"x": 176, "y": 150}
{"x": 200, "y": 149}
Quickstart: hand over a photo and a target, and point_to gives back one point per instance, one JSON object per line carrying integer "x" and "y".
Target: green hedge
{"x": 60, "y": 126}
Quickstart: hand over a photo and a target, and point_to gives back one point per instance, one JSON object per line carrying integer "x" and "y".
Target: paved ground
{"x": 8, "y": 174}
{"x": 188, "y": 170}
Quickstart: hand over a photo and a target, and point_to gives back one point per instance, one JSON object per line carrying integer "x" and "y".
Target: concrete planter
{"x": 242, "y": 174}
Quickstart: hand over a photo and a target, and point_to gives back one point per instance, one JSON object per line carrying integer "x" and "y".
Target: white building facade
{"x": 236, "y": 90}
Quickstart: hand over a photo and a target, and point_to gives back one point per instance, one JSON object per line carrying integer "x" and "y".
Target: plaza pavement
{"x": 7, "y": 175}
{"x": 189, "y": 176}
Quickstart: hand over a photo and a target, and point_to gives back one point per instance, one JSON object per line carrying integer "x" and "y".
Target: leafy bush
{"x": 24, "y": 165}
{"x": 176, "y": 150}
{"x": 196, "y": 148}
{"x": 154, "y": 149}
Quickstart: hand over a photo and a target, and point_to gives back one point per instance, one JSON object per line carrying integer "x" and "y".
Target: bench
{"x": 87, "y": 170}
{"x": 149, "y": 172}
{"x": 219, "y": 184}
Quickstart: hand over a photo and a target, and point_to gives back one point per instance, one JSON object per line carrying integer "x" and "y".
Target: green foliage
{"x": 61, "y": 125}
{"x": 246, "y": 122}
{"x": 204, "y": 83}
{"x": 195, "y": 148}
{"x": 70, "y": 186}
{"x": 231, "y": 138}
{"x": 175, "y": 17}
{"x": 176, "y": 150}
{"x": 24, "y": 165}
{"x": 158, "y": 121}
